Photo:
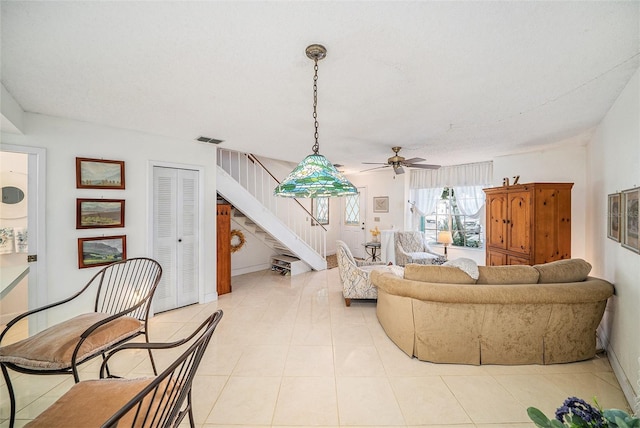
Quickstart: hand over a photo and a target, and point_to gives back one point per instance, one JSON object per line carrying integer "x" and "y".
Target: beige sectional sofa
{"x": 543, "y": 314}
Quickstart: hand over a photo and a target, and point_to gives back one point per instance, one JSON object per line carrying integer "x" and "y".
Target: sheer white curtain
{"x": 425, "y": 201}
{"x": 470, "y": 199}
{"x": 466, "y": 180}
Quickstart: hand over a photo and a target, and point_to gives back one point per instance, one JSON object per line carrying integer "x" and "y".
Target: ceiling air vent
{"x": 209, "y": 140}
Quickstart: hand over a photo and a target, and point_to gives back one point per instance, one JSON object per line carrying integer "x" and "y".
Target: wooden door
{"x": 496, "y": 220}
{"x": 519, "y": 222}
{"x": 223, "y": 248}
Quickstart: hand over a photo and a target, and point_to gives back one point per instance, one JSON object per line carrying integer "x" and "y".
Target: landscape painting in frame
{"x": 98, "y": 213}
{"x": 613, "y": 217}
{"x": 101, "y": 251}
{"x": 630, "y": 211}
{"x": 99, "y": 174}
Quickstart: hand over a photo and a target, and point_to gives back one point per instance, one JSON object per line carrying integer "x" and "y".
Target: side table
{"x": 372, "y": 249}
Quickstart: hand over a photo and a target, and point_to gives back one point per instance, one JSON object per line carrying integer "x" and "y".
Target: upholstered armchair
{"x": 354, "y": 275}
{"x": 412, "y": 247}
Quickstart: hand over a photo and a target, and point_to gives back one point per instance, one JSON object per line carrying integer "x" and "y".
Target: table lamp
{"x": 445, "y": 238}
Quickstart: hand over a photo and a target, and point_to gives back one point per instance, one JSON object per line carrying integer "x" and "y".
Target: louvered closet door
{"x": 175, "y": 236}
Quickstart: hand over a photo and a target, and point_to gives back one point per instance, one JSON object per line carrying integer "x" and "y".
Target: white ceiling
{"x": 453, "y": 82}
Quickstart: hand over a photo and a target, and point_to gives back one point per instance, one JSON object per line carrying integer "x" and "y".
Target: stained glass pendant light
{"x": 315, "y": 176}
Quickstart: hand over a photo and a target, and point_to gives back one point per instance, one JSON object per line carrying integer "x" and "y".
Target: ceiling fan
{"x": 397, "y": 162}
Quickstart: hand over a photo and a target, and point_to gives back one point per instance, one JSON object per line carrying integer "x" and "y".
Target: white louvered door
{"x": 175, "y": 236}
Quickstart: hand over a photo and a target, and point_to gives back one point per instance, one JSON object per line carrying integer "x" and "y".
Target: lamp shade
{"x": 315, "y": 177}
{"x": 444, "y": 237}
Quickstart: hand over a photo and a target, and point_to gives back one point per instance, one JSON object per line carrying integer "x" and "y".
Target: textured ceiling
{"x": 452, "y": 82}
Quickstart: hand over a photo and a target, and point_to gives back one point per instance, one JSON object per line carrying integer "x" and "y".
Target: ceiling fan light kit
{"x": 315, "y": 176}
{"x": 397, "y": 162}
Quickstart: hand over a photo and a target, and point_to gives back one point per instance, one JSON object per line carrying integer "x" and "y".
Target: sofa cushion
{"x": 513, "y": 274}
{"x": 570, "y": 270}
{"x": 437, "y": 274}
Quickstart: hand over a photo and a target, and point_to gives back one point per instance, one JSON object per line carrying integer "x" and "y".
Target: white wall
{"x": 614, "y": 165}
{"x": 64, "y": 140}
{"x": 253, "y": 256}
{"x": 565, "y": 164}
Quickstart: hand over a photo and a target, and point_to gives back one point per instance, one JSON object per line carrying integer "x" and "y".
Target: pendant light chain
{"x": 316, "y": 146}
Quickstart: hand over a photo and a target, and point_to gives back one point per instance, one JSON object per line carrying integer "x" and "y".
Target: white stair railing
{"x": 249, "y": 172}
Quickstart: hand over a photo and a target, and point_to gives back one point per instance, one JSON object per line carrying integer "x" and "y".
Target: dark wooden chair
{"x": 123, "y": 295}
{"x": 161, "y": 401}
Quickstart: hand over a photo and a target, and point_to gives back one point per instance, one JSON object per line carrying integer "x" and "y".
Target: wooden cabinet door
{"x": 223, "y": 248}
{"x": 497, "y": 220}
{"x": 553, "y": 225}
{"x": 496, "y": 259}
{"x": 513, "y": 260}
{"x": 519, "y": 222}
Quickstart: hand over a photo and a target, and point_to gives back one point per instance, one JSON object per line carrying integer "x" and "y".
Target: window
{"x": 447, "y": 214}
{"x": 352, "y": 209}
{"x": 320, "y": 210}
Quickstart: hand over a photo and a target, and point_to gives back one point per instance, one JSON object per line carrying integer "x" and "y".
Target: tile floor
{"x": 289, "y": 353}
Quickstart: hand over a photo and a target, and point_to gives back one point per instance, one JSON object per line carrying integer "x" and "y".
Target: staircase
{"x": 281, "y": 223}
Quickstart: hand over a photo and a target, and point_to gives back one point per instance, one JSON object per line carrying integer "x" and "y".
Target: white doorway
{"x": 176, "y": 236}
{"x": 23, "y": 258}
{"x": 352, "y": 230}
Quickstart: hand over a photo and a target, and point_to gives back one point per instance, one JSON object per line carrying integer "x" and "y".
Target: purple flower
{"x": 576, "y": 408}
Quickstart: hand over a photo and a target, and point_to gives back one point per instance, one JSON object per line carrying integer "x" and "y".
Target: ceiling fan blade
{"x": 423, "y": 166}
{"x": 414, "y": 160}
{"x": 398, "y": 170}
{"x": 378, "y": 167}
{"x": 375, "y": 163}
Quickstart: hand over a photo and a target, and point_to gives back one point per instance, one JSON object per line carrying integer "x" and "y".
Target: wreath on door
{"x": 237, "y": 240}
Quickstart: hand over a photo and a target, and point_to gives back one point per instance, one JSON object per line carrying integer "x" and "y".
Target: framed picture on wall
{"x": 381, "y": 204}
{"x": 613, "y": 217}
{"x": 101, "y": 250}
{"x": 99, "y": 174}
{"x": 630, "y": 219}
{"x": 98, "y": 213}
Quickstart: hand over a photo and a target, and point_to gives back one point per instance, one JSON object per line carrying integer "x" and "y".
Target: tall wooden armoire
{"x": 528, "y": 224}
{"x": 223, "y": 248}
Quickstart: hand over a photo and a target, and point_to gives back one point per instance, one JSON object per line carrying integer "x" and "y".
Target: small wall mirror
{"x": 12, "y": 195}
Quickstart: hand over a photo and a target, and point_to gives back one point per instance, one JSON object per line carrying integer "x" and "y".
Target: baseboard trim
{"x": 623, "y": 380}
{"x": 250, "y": 269}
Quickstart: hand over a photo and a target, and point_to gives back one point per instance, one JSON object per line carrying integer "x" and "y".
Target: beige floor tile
{"x": 220, "y": 359}
{"x": 205, "y": 392}
{"x": 262, "y": 360}
{"x": 307, "y": 401}
{"x": 354, "y": 360}
{"x": 246, "y": 401}
{"x": 309, "y": 361}
{"x": 357, "y": 334}
{"x": 427, "y": 400}
{"x": 311, "y": 334}
{"x": 533, "y": 391}
{"x": 587, "y": 386}
{"x": 485, "y": 400}
{"x": 367, "y": 401}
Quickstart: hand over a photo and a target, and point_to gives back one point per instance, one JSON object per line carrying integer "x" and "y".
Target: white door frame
{"x": 201, "y": 213}
{"x": 36, "y": 204}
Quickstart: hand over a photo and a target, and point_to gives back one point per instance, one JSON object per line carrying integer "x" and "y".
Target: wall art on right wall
{"x": 613, "y": 217}
{"x": 630, "y": 219}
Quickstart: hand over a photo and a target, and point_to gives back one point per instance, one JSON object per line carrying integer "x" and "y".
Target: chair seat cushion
{"x": 52, "y": 349}
{"x": 422, "y": 256}
{"x": 90, "y": 403}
